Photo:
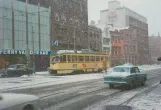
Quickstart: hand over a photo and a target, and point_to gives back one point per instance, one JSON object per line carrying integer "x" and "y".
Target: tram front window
{"x": 56, "y": 59}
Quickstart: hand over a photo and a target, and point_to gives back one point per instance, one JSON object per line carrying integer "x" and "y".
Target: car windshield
{"x": 121, "y": 69}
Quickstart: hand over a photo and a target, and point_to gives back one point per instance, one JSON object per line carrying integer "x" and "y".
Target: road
{"x": 89, "y": 95}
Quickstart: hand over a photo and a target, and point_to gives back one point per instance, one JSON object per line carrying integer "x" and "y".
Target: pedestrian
{"x": 25, "y": 70}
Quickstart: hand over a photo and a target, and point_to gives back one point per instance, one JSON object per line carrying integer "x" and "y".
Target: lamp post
{"x": 33, "y": 60}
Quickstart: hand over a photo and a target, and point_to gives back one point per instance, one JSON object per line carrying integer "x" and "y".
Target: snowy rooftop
{"x": 111, "y": 28}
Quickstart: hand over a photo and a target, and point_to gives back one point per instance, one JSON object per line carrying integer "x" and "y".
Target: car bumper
{"x": 116, "y": 82}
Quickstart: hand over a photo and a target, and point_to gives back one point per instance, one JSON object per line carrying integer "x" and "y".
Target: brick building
{"x": 130, "y": 45}
{"x": 124, "y": 45}
{"x": 69, "y": 20}
{"x": 155, "y": 48}
{"x": 95, "y": 38}
{"x": 116, "y": 54}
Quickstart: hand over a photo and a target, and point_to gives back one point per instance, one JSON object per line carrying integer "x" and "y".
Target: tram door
{"x": 105, "y": 63}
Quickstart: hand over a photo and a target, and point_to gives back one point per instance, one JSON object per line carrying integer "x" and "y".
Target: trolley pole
{"x": 33, "y": 61}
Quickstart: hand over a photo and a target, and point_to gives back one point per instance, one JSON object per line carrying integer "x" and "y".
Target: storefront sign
{"x": 22, "y": 52}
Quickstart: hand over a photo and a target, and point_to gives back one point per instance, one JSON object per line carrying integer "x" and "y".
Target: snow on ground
{"x": 44, "y": 79}
{"x": 150, "y": 101}
{"x": 149, "y": 67}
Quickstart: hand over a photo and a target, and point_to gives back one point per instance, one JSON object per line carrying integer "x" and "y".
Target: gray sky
{"x": 151, "y": 9}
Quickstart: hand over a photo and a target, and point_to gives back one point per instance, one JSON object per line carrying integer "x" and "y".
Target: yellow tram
{"x": 72, "y": 63}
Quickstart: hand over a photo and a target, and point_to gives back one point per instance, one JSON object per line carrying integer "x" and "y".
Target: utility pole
{"x": 88, "y": 41}
{"x": 74, "y": 41}
{"x": 39, "y": 26}
{"x": 33, "y": 60}
{"x": 27, "y": 48}
{"x": 13, "y": 30}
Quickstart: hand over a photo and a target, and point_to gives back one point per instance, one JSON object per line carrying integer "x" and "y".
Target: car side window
{"x": 137, "y": 70}
{"x": 132, "y": 71}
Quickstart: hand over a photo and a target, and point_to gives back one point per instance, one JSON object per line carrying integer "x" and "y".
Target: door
{"x": 138, "y": 75}
{"x": 133, "y": 75}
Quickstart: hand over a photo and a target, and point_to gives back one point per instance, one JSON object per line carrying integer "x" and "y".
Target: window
{"x": 92, "y": 58}
{"x": 61, "y": 58}
{"x": 80, "y": 58}
{"x": 74, "y": 58}
{"x": 86, "y": 58}
{"x": 137, "y": 70}
{"x": 132, "y": 70}
{"x": 121, "y": 69}
{"x": 64, "y": 58}
{"x": 69, "y": 58}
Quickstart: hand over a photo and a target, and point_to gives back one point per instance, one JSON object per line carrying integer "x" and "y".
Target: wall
{"x": 95, "y": 38}
{"x": 67, "y": 17}
{"x": 20, "y": 26}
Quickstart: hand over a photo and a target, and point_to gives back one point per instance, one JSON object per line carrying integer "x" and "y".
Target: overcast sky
{"x": 151, "y": 9}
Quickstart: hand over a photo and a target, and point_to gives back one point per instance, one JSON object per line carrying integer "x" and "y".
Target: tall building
{"x": 155, "y": 50}
{"x": 20, "y": 28}
{"x": 120, "y": 17}
{"x": 94, "y": 37}
{"x": 69, "y": 21}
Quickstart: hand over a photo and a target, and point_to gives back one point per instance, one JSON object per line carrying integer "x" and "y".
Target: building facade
{"x": 128, "y": 36}
{"x": 69, "y": 23}
{"x": 95, "y": 38}
{"x": 116, "y": 50}
{"x": 155, "y": 50}
{"x": 121, "y": 17}
{"x": 106, "y": 38}
{"x": 19, "y": 29}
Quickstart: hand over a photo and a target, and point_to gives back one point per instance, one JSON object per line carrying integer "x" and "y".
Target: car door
{"x": 133, "y": 75}
{"x": 139, "y": 76}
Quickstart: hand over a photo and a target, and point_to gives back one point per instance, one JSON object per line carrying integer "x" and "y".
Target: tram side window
{"x": 92, "y": 58}
{"x": 64, "y": 58}
{"x": 101, "y": 58}
{"x": 97, "y": 58}
{"x": 80, "y": 58}
{"x": 86, "y": 58}
{"x": 69, "y": 58}
{"x": 74, "y": 58}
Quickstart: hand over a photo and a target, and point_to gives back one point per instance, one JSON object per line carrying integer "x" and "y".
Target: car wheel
{"x": 28, "y": 107}
{"x": 111, "y": 86}
{"x": 143, "y": 83}
{"x": 131, "y": 85}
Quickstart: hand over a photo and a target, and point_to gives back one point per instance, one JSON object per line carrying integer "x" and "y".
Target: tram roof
{"x": 84, "y": 51}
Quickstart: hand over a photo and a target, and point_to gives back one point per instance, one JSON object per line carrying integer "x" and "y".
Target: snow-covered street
{"x": 86, "y": 91}
{"x": 41, "y": 79}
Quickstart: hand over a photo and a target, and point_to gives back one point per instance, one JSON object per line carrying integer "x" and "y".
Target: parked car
{"x": 10, "y": 101}
{"x": 128, "y": 75}
{"x": 16, "y": 70}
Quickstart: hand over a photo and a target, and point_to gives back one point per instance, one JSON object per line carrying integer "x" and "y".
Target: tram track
{"x": 90, "y": 98}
